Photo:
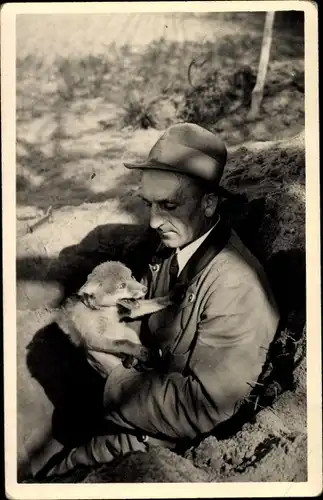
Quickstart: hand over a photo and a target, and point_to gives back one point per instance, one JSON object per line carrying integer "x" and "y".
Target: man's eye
{"x": 167, "y": 205}
{"x": 123, "y": 285}
{"x": 147, "y": 203}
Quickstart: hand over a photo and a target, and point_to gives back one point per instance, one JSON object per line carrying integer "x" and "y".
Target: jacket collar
{"x": 184, "y": 254}
{"x": 210, "y": 247}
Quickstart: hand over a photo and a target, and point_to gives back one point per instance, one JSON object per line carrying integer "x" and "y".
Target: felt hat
{"x": 188, "y": 149}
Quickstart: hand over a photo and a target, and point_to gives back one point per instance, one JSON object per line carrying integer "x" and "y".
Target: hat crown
{"x": 195, "y": 137}
{"x": 189, "y": 149}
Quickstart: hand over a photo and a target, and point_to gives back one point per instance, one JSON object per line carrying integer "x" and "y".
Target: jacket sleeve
{"x": 226, "y": 357}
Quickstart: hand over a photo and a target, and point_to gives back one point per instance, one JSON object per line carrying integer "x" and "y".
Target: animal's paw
{"x": 164, "y": 301}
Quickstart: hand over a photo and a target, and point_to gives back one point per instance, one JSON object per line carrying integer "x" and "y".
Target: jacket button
{"x": 143, "y": 438}
{"x": 191, "y": 297}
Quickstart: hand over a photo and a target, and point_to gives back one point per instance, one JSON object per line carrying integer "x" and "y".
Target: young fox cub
{"x": 94, "y": 317}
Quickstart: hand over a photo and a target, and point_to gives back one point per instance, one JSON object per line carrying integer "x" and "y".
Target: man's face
{"x": 177, "y": 207}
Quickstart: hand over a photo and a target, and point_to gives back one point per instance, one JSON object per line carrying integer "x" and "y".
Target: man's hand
{"x": 102, "y": 363}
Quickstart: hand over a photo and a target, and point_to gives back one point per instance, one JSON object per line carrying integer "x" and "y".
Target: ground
{"x": 79, "y": 115}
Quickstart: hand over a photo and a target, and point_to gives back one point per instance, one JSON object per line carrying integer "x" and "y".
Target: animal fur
{"x": 94, "y": 317}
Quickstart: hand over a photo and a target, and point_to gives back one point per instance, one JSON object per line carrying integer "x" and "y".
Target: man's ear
{"x": 209, "y": 204}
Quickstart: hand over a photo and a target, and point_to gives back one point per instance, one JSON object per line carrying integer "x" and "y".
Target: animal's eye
{"x": 123, "y": 285}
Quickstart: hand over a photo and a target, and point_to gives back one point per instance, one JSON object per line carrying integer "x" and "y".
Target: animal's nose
{"x": 140, "y": 292}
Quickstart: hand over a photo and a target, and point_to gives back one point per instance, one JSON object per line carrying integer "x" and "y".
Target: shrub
{"x": 85, "y": 76}
{"x": 222, "y": 92}
{"x": 139, "y": 110}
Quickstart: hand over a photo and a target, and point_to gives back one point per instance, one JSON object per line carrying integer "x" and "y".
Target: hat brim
{"x": 184, "y": 160}
{"x": 153, "y": 165}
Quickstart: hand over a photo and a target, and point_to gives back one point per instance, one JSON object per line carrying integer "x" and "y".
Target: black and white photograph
{"x": 161, "y": 191}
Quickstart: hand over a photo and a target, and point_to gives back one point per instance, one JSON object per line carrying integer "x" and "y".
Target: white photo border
{"x": 313, "y": 486}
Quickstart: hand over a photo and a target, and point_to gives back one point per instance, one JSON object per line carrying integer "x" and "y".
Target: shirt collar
{"x": 186, "y": 253}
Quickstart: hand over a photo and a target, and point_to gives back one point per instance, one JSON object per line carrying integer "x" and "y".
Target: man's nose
{"x": 155, "y": 218}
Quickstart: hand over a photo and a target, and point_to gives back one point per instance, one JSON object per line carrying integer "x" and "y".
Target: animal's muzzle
{"x": 137, "y": 290}
{"x": 139, "y": 294}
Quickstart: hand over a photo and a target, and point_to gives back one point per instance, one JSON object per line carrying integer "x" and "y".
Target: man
{"x": 209, "y": 348}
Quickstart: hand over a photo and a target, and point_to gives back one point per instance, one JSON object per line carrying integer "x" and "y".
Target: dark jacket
{"x": 208, "y": 348}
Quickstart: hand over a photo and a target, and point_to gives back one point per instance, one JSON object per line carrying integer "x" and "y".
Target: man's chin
{"x": 170, "y": 240}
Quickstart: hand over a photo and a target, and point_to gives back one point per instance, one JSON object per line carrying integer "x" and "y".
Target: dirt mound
{"x": 222, "y": 96}
{"x": 267, "y": 442}
{"x": 158, "y": 465}
{"x": 273, "y": 447}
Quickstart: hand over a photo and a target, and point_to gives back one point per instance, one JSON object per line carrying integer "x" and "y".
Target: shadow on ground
{"x": 72, "y": 386}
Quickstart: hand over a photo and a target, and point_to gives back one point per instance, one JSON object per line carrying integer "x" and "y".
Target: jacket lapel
{"x": 211, "y": 246}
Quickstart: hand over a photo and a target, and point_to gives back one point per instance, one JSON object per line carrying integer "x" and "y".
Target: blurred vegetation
{"x": 155, "y": 87}
{"x": 75, "y": 114}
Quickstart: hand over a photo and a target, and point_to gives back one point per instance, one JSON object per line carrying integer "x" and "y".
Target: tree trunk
{"x": 258, "y": 90}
